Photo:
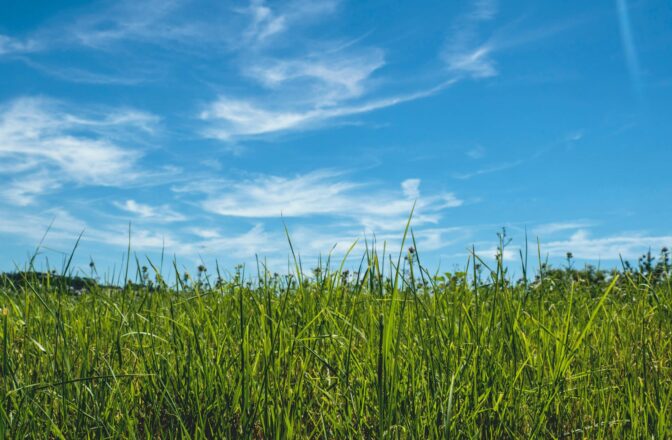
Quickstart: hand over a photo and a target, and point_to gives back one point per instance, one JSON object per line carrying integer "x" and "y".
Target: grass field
{"x": 385, "y": 351}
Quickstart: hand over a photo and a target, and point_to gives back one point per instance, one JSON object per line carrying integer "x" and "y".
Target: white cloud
{"x": 309, "y": 85}
{"x": 271, "y": 196}
{"x": 153, "y": 21}
{"x": 163, "y": 213}
{"x": 233, "y": 118}
{"x": 324, "y": 193}
{"x": 183, "y": 25}
{"x": 467, "y": 54}
{"x": 463, "y": 53}
{"x": 204, "y": 232}
{"x": 313, "y": 241}
{"x": 237, "y": 117}
{"x": 313, "y": 81}
{"x": 477, "y": 152}
{"x": 511, "y": 253}
{"x": 193, "y": 26}
{"x": 51, "y": 145}
{"x": 302, "y": 91}
{"x": 158, "y": 22}
{"x": 411, "y": 188}
{"x": 475, "y": 62}
{"x": 488, "y": 170}
{"x": 307, "y": 88}
{"x": 627, "y": 245}
{"x": 324, "y": 79}
{"x": 575, "y": 136}
{"x": 31, "y": 227}
{"x": 65, "y": 228}
{"x": 137, "y": 208}
{"x": 122, "y": 75}
{"x": 168, "y": 23}
{"x": 265, "y": 22}
{"x": 10, "y": 45}
{"x": 23, "y": 191}
{"x": 552, "y": 228}
{"x": 242, "y": 245}
{"x": 246, "y": 245}
{"x": 628, "y": 42}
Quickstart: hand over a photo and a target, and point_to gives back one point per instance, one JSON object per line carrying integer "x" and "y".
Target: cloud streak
{"x": 631, "y": 57}
{"x": 330, "y": 78}
{"x": 547, "y": 229}
{"x": 12, "y": 46}
{"x": 23, "y": 191}
{"x": 487, "y": 170}
{"x": 160, "y": 214}
{"x": 65, "y": 228}
{"x": 323, "y": 193}
{"x": 627, "y": 245}
{"x": 231, "y": 119}
{"x": 44, "y": 146}
{"x": 463, "y": 54}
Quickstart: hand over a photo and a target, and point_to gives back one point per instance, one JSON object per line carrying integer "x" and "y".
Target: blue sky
{"x": 200, "y": 123}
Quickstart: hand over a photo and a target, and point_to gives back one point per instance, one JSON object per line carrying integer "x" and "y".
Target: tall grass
{"x": 387, "y": 351}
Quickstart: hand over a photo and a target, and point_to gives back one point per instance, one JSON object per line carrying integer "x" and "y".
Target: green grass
{"x": 380, "y": 353}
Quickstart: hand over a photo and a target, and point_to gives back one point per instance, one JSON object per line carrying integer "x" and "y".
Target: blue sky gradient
{"x": 207, "y": 124}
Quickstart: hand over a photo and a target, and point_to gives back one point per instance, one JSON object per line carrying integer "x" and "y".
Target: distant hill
{"x": 72, "y": 284}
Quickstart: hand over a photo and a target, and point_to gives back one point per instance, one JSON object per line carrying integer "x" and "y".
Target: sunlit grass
{"x": 385, "y": 350}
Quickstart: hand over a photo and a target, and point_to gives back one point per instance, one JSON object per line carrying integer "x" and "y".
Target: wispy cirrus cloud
{"x": 411, "y": 188}
{"x": 628, "y": 41}
{"x": 292, "y": 80}
{"x": 24, "y": 190}
{"x": 142, "y": 211}
{"x": 104, "y": 26}
{"x": 465, "y": 54}
{"x": 297, "y": 92}
{"x": 487, "y": 170}
{"x": 44, "y": 144}
{"x": 329, "y": 78}
{"x": 112, "y": 76}
{"x": 478, "y": 152}
{"x": 245, "y": 245}
{"x": 469, "y": 51}
{"x": 307, "y": 86}
{"x": 153, "y": 22}
{"x": 547, "y": 229}
{"x": 577, "y": 238}
{"x": 12, "y": 45}
{"x": 307, "y": 89}
{"x": 627, "y": 245}
{"x": 233, "y": 118}
{"x": 63, "y": 228}
{"x": 298, "y": 81}
{"x": 312, "y": 241}
{"x": 187, "y": 25}
{"x": 266, "y": 21}
{"x": 31, "y": 227}
{"x": 324, "y": 193}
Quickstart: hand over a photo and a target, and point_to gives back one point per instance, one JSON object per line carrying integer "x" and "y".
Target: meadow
{"x": 384, "y": 349}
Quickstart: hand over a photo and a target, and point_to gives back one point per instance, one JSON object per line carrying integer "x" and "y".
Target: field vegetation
{"x": 381, "y": 349}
